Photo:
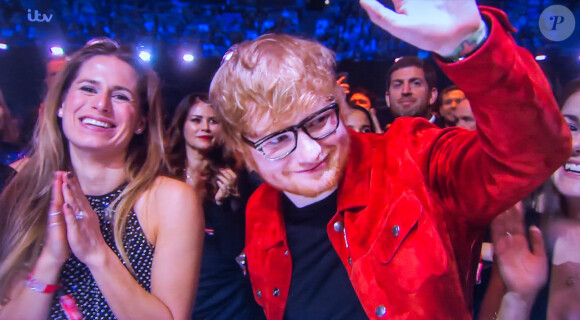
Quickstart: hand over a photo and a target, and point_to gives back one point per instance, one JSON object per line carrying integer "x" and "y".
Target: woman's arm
{"x": 173, "y": 211}
{"x": 26, "y": 302}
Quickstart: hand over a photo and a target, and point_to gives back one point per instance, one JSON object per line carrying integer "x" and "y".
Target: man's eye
{"x": 88, "y": 89}
{"x": 572, "y": 127}
{"x": 278, "y": 139}
{"x": 318, "y": 121}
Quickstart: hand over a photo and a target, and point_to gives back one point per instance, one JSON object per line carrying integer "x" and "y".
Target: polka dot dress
{"x": 76, "y": 277}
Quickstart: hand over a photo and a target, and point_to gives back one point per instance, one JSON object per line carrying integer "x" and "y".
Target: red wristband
{"x": 38, "y": 286}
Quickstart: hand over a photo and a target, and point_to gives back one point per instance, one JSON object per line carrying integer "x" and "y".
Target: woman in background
{"x": 88, "y": 226}
{"x": 556, "y": 207}
{"x": 360, "y": 119}
{"x": 196, "y": 155}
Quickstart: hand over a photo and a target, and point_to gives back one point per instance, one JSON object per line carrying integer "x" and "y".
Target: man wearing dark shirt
{"x": 409, "y": 204}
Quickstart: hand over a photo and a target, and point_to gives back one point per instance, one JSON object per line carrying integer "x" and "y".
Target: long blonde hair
{"x": 25, "y": 201}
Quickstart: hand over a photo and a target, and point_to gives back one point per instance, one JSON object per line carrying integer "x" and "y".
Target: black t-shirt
{"x": 224, "y": 292}
{"x": 320, "y": 288}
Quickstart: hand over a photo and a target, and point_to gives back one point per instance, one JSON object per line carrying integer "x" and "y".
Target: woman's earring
{"x": 139, "y": 131}
{"x": 59, "y": 113}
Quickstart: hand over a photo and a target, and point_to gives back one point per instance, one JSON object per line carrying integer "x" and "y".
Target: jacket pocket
{"x": 403, "y": 218}
{"x": 409, "y": 249}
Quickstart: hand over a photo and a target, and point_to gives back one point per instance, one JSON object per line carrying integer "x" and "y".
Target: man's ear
{"x": 433, "y": 96}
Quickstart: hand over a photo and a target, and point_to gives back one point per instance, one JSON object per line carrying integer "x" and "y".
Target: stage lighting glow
{"x": 541, "y": 57}
{"x": 3, "y": 46}
{"x": 188, "y": 57}
{"x": 145, "y": 56}
{"x": 56, "y": 51}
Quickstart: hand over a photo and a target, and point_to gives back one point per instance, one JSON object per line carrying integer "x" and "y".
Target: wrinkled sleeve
{"x": 521, "y": 137}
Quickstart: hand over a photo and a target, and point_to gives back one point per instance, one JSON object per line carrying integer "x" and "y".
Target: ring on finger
{"x": 52, "y": 214}
{"x": 80, "y": 215}
{"x": 54, "y": 224}
{"x": 508, "y": 234}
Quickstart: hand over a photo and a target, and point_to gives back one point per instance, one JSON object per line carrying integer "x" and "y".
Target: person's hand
{"x": 433, "y": 25}
{"x": 375, "y": 121}
{"x": 227, "y": 181}
{"x": 83, "y": 229}
{"x": 523, "y": 271}
{"x": 345, "y": 86}
{"x": 56, "y": 248}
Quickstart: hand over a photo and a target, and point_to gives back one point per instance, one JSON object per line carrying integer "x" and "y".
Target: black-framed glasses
{"x": 317, "y": 126}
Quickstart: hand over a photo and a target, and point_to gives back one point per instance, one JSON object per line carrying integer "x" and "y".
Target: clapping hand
{"x": 56, "y": 247}
{"x": 523, "y": 271}
{"x": 83, "y": 231}
{"x": 227, "y": 181}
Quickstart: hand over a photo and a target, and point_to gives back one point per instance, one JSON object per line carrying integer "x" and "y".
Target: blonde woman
{"x": 89, "y": 227}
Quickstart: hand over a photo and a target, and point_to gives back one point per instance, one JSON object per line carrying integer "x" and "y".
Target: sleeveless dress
{"x": 76, "y": 278}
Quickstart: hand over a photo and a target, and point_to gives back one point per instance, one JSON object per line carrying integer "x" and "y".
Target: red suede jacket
{"x": 414, "y": 201}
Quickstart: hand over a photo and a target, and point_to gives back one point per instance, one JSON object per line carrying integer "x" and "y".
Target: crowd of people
{"x": 215, "y": 25}
{"x": 283, "y": 193}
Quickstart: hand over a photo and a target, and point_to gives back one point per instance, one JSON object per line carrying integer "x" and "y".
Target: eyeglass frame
{"x": 301, "y": 125}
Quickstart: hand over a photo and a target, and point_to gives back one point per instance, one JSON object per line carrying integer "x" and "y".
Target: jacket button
{"x": 276, "y": 292}
{"x": 286, "y": 253}
{"x": 396, "y": 230}
{"x": 259, "y": 293}
{"x": 349, "y": 261}
{"x": 380, "y": 311}
{"x": 338, "y": 226}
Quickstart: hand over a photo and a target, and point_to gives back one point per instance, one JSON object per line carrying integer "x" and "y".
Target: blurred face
{"x": 315, "y": 166}
{"x": 100, "y": 112}
{"x": 201, "y": 127}
{"x": 464, "y": 116}
{"x": 361, "y": 100}
{"x": 567, "y": 178}
{"x": 409, "y": 94}
{"x": 52, "y": 69}
{"x": 449, "y": 103}
{"x": 358, "y": 121}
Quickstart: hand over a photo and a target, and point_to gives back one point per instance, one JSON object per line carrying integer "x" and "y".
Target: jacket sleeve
{"x": 521, "y": 137}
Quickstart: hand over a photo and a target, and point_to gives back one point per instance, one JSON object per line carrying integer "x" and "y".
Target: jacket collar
{"x": 353, "y": 190}
{"x": 265, "y": 206}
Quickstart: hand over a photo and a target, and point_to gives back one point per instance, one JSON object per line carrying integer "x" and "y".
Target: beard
{"x": 329, "y": 179}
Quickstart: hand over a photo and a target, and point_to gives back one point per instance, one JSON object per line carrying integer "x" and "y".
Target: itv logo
{"x": 38, "y": 17}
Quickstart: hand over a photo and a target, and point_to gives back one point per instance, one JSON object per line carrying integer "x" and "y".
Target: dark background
{"x": 208, "y": 27}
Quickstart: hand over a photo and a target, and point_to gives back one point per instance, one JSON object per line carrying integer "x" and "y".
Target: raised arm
{"x": 172, "y": 211}
{"x": 521, "y": 137}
